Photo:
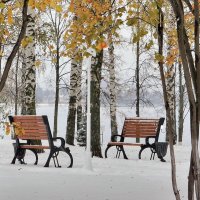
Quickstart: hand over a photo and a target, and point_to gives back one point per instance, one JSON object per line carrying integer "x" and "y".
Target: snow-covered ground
{"x": 110, "y": 179}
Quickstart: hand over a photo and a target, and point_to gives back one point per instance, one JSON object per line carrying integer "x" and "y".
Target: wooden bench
{"x": 31, "y": 127}
{"x": 138, "y": 128}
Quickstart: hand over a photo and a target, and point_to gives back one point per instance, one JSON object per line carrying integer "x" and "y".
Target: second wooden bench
{"x": 149, "y": 129}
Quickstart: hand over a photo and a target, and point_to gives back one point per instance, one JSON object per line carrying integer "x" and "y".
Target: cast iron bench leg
{"x": 108, "y": 146}
{"x": 49, "y": 158}
{"x": 15, "y": 156}
{"x": 143, "y": 147}
{"x": 119, "y": 148}
{"x": 36, "y": 156}
{"x": 124, "y": 154}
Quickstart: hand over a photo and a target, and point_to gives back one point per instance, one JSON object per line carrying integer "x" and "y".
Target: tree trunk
{"x": 57, "y": 67}
{"x": 71, "y": 119}
{"x": 181, "y": 106}
{"x": 137, "y": 73}
{"x": 96, "y": 66}
{"x": 173, "y": 162}
{"x": 113, "y": 106}
{"x": 16, "y": 46}
{"x": 23, "y": 82}
{"x": 170, "y": 84}
{"x": 30, "y": 74}
{"x": 16, "y": 85}
{"x": 138, "y": 81}
{"x": 192, "y": 79}
{"x": 191, "y": 181}
{"x": 79, "y": 97}
{"x": 1, "y": 56}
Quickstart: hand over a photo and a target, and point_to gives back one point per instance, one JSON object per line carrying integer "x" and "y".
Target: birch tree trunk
{"x": 79, "y": 98}
{"x": 23, "y": 82}
{"x": 112, "y": 85}
{"x": 71, "y": 119}
{"x": 30, "y": 75}
{"x": 160, "y": 29}
{"x": 96, "y": 65}
{"x": 170, "y": 87}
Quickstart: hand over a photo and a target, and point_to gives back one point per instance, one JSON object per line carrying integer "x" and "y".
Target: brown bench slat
{"x": 23, "y": 117}
{"x": 33, "y": 147}
{"x": 33, "y": 134}
{"x": 141, "y": 122}
{"x": 139, "y": 130}
{"x": 38, "y": 131}
{"x": 32, "y": 137}
{"x": 38, "y": 121}
{"x": 124, "y": 143}
{"x": 140, "y": 125}
{"x": 137, "y": 136}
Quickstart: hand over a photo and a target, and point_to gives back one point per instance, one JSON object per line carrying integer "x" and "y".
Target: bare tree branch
{"x": 16, "y": 47}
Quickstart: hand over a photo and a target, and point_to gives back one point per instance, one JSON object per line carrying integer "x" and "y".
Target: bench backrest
{"x": 142, "y": 128}
{"x": 32, "y": 127}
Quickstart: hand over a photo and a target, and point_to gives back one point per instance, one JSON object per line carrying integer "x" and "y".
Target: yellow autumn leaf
{"x": 32, "y": 4}
{"x": 18, "y": 129}
{"x": 2, "y": 5}
{"x": 1, "y": 53}
{"x": 38, "y": 63}
{"x": 10, "y": 15}
{"x": 58, "y": 8}
{"x": 26, "y": 41}
{"x": 7, "y": 128}
{"x": 52, "y": 4}
{"x": 159, "y": 57}
{"x": 1, "y": 18}
{"x": 54, "y": 60}
{"x": 101, "y": 45}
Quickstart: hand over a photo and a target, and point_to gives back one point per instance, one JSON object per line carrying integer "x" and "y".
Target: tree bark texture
{"x": 30, "y": 70}
{"x": 112, "y": 87}
{"x": 79, "y": 97}
{"x": 71, "y": 119}
{"x": 170, "y": 87}
{"x": 96, "y": 65}
{"x": 161, "y": 66}
{"x": 30, "y": 75}
{"x": 57, "y": 69}
{"x": 181, "y": 106}
{"x": 192, "y": 77}
{"x": 16, "y": 84}
{"x": 22, "y": 92}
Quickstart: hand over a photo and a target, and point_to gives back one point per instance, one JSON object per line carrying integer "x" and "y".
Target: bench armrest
{"x": 113, "y": 138}
{"x": 149, "y": 137}
{"x": 61, "y": 140}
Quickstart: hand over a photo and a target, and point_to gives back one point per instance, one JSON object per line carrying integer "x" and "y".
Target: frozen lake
{"x": 122, "y": 112}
